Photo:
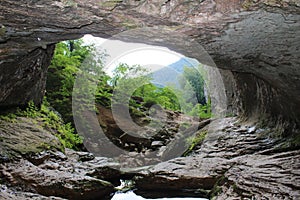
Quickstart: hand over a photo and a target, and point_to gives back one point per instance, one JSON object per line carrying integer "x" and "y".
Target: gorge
{"x": 251, "y": 152}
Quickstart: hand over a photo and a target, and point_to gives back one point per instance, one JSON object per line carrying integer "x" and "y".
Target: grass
{"x": 49, "y": 119}
{"x": 9, "y": 117}
{"x": 194, "y": 141}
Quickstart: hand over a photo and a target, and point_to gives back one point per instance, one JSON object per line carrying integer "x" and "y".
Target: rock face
{"x": 25, "y": 76}
{"x": 235, "y": 161}
{"x": 257, "y": 40}
{"x": 23, "y": 136}
{"x": 7, "y": 193}
{"x": 61, "y": 177}
{"x": 255, "y": 44}
{"x": 33, "y": 165}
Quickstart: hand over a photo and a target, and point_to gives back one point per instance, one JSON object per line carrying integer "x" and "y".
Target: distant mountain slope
{"x": 169, "y": 74}
{"x": 183, "y": 62}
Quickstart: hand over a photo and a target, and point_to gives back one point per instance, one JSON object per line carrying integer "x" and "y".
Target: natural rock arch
{"x": 258, "y": 42}
{"x": 255, "y": 44}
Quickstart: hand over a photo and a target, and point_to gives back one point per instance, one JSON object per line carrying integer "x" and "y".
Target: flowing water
{"x": 132, "y": 196}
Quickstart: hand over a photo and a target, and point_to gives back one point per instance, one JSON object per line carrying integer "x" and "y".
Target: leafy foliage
{"x": 68, "y": 57}
{"x": 135, "y": 81}
{"x": 202, "y": 111}
{"x": 164, "y": 97}
{"x": 191, "y": 79}
{"x": 125, "y": 80}
{"x": 10, "y": 117}
{"x": 65, "y": 132}
{"x": 193, "y": 141}
{"x": 75, "y": 61}
{"x": 192, "y": 97}
{"x": 48, "y": 119}
{"x": 73, "y": 58}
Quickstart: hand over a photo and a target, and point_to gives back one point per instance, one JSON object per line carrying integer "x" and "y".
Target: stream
{"x": 126, "y": 192}
{"x": 132, "y": 196}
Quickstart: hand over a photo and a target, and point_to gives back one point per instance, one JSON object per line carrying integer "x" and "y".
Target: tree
{"x": 164, "y": 96}
{"x": 126, "y": 79}
{"x": 73, "y": 58}
{"x": 68, "y": 57}
{"x": 192, "y": 78}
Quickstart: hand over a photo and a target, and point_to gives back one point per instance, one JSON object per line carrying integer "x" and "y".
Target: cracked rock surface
{"x": 235, "y": 161}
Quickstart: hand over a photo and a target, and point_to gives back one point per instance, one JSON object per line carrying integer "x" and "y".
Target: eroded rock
{"x": 34, "y": 166}
{"x": 233, "y": 162}
{"x": 8, "y": 194}
{"x": 55, "y": 182}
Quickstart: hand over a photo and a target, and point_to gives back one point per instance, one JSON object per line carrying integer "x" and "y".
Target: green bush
{"x": 30, "y": 111}
{"x": 65, "y": 132}
{"x": 193, "y": 141}
{"x": 202, "y": 111}
{"x": 50, "y": 119}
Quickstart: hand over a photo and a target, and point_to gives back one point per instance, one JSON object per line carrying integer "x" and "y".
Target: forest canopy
{"x": 72, "y": 58}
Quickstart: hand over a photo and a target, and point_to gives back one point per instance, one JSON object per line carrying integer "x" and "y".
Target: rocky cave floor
{"x": 235, "y": 161}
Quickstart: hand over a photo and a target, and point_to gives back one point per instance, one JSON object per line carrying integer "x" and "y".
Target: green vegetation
{"x": 193, "y": 99}
{"x": 68, "y": 57}
{"x": 74, "y": 61}
{"x": 156, "y": 95}
{"x": 2, "y": 31}
{"x": 10, "y": 117}
{"x": 65, "y": 132}
{"x": 192, "y": 80}
{"x": 136, "y": 81}
{"x": 51, "y": 120}
{"x": 131, "y": 82}
{"x": 217, "y": 189}
{"x": 73, "y": 58}
{"x": 194, "y": 141}
{"x": 110, "y": 4}
{"x": 46, "y": 117}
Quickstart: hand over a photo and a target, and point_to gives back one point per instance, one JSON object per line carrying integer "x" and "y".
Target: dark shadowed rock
{"x": 25, "y": 77}
{"x": 51, "y": 182}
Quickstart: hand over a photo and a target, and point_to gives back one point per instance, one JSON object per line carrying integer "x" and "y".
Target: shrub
{"x": 51, "y": 119}
{"x": 194, "y": 141}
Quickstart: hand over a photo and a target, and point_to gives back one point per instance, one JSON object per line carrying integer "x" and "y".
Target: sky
{"x": 133, "y": 53}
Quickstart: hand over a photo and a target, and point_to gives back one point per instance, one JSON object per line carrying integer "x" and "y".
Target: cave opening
{"x": 251, "y": 151}
{"x": 142, "y": 98}
{"x": 144, "y": 80}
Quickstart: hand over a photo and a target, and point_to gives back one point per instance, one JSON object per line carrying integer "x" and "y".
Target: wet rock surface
{"x": 234, "y": 161}
{"x": 34, "y": 166}
{"x": 68, "y": 178}
{"x": 7, "y": 193}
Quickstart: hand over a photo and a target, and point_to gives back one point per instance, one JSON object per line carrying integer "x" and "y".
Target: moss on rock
{"x": 24, "y": 136}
